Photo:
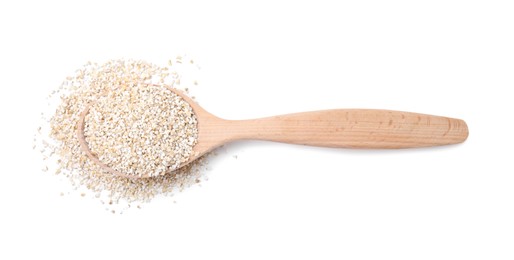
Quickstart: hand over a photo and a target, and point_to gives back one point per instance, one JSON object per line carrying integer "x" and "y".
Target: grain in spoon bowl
{"x": 141, "y": 130}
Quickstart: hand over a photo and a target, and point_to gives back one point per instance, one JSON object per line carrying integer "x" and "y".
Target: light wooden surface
{"x": 339, "y": 128}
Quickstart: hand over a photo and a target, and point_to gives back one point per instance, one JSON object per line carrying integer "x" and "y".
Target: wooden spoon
{"x": 340, "y": 128}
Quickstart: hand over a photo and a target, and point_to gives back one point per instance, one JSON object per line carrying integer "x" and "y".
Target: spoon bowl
{"x": 338, "y": 128}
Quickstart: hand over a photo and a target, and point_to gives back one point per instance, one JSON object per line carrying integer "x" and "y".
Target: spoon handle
{"x": 353, "y": 128}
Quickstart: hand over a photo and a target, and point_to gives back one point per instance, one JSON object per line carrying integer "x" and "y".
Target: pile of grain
{"x": 111, "y": 86}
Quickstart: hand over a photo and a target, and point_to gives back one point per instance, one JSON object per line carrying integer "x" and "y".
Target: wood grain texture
{"x": 343, "y": 128}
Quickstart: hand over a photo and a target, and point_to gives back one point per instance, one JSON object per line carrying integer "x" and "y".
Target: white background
{"x": 276, "y": 201}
